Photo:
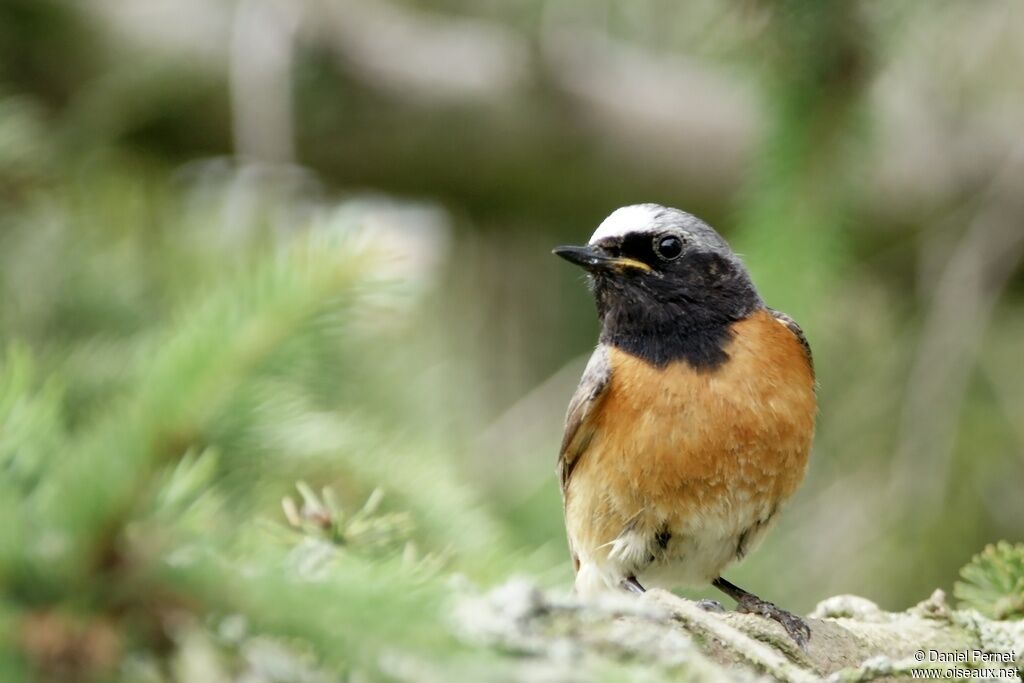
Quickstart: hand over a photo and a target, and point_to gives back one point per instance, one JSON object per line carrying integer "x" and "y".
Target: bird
{"x": 694, "y": 419}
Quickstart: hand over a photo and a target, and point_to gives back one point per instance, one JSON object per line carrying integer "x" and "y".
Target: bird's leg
{"x": 631, "y": 584}
{"x": 747, "y": 602}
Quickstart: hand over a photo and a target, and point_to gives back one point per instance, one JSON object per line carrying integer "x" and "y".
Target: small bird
{"x": 694, "y": 418}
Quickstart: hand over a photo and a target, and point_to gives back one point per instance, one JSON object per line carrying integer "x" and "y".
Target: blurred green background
{"x": 246, "y": 244}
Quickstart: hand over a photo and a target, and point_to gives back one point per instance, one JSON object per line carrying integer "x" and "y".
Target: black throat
{"x": 676, "y": 319}
{"x": 701, "y": 346}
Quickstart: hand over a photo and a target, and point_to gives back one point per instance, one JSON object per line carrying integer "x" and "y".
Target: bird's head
{"x": 661, "y": 273}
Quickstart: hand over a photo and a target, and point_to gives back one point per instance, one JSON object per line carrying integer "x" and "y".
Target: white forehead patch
{"x": 636, "y": 218}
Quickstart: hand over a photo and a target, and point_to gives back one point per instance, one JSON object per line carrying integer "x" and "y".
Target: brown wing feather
{"x": 578, "y": 431}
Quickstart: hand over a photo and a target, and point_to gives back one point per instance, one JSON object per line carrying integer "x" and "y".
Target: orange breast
{"x": 679, "y": 448}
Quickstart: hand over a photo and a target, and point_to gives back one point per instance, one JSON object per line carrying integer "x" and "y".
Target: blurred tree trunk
{"x": 799, "y": 193}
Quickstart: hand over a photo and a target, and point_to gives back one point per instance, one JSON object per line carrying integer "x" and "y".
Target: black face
{"x": 656, "y": 250}
{"x": 668, "y": 292}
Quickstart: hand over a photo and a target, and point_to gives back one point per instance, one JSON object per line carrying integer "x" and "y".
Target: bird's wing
{"x": 578, "y": 422}
{"x": 795, "y": 328}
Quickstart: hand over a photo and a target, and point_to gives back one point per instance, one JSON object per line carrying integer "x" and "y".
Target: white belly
{"x": 695, "y": 554}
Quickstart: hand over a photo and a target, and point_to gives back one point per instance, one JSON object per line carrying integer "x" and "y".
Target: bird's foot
{"x": 796, "y": 627}
{"x": 632, "y": 585}
{"x": 711, "y": 606}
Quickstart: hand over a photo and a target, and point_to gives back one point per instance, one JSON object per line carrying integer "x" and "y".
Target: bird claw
{"x": 796, "y": 627}
{"x": 632, "y": 585}
{"x": 711, "y": 606}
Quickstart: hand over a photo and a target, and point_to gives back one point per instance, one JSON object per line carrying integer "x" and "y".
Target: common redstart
{"x": 694, "y": 418}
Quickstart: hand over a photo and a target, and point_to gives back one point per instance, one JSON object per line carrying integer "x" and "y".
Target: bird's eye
{"x": 668, "y": 247}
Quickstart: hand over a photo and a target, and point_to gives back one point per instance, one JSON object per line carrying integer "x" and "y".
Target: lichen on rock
{"x": 667, "y": 637}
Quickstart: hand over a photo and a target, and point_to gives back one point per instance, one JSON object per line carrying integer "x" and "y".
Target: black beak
{"x": 589, "y": 256}
{"x": 594, "y": 258}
